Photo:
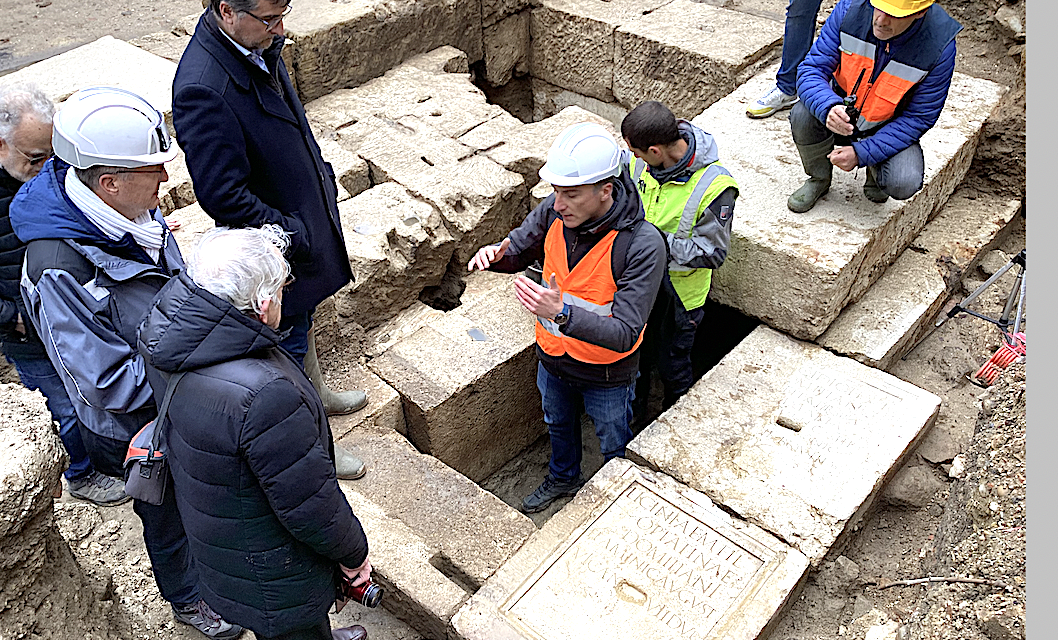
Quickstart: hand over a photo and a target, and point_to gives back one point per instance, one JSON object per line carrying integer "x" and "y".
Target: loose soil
{"x": 956, "y": 510}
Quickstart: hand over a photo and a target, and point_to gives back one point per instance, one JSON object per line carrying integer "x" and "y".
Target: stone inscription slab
{"x": 636, "y": 554}
{"x": 644, "y": 561}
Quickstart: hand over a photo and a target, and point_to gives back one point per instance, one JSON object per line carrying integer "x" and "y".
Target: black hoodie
{"x": 637, "y": 277}
{"x": 252, "y": 463}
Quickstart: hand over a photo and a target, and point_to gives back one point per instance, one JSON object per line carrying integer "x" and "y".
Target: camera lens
{"x": 372, "y": 596}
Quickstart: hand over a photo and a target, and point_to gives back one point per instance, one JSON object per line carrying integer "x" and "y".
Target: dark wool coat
{"x": 253, "y": 159}
{"x": 252, "y": 463}
{"x": 15, "y": 344}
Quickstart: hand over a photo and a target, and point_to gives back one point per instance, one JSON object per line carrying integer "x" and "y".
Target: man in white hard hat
{"x": 253, "y": 160}
{"x": 25, "y": 145}
{"x": 602, "y": 270}
{"x": 97, "y": 252}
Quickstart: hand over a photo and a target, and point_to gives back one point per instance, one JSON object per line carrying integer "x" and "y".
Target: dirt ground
{"x": 956, "y": 510}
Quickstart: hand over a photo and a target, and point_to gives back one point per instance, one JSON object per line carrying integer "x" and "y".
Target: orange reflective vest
{"x": 589, "y": 286}
{"x": 879, "y": 98}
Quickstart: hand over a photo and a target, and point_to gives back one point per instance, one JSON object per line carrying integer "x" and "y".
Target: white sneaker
{"x": 769, "y": 103}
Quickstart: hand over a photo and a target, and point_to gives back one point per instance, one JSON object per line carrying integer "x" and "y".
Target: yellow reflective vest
{"x": 676, "y": 208}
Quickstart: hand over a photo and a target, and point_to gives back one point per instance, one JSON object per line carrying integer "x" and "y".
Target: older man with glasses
{"x": 25, "y": 144}
{"x": 253, "y": 161}
{"x": 97, "y": 252}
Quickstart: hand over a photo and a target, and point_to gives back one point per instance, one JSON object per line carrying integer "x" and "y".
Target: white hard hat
{"x": 112, "y": 127}
{"x": 584, "y": 153}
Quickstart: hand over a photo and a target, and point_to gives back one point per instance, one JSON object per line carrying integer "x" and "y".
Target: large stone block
{"x": 522, "y": 148}
{"x": 177, "y": 192}
{"x": 350, "y": 170}
{"x": 344, "y": 44}
{"x": 548, "y": 100}
{"x": 107, "y": 61}
{"x": 193, "y": 223}
{"x": 688, "y": 55}
{"x": 447, "y": 102}
{"x": 507, "y": 48}
{"x": 790, "y": 437}
{"x": 397, "y": 245}
{"x": 796, "y": 272}
{"x": 884, "y": 324}
{"x": 462, "y": 376}
{"x": 478, "y": 199}
{"x": 573, "y": 42}
{"x": 473, "y": 531}
{"x": 416, "y": 591}
{"x": 636, "y": 555}
{"x": 383, "y": 412}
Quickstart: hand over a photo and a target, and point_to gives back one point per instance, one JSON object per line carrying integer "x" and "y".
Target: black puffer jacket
{"x": 15, "y": 344}
{"x": 252, "y": 462}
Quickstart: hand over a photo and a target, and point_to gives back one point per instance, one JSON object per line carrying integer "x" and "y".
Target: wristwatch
{"x": 562, "y": 317}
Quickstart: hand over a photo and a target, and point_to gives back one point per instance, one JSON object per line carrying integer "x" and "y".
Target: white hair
{"x": 19, "y": 100}
{"x": 243, "y": 266}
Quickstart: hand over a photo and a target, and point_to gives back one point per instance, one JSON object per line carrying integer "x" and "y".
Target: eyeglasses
{"x": 34, "y": 160}
{"x": 273, "y": 21}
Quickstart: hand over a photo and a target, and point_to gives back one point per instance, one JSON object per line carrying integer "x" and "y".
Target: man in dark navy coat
{"x": 253, "y": 161}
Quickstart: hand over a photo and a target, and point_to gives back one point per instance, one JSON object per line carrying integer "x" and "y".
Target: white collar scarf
{"x": 145, "y": 230}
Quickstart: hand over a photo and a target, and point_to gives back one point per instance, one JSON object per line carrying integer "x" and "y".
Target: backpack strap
{"x": 624, "y": 240}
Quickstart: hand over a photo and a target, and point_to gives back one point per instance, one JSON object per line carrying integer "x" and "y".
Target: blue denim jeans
{"x": 39, "y": 374}
{"x": 610, "y": 408}
{"x": 163, "y": 531}
{"x": 900, "y": 177}
{"x": 297, "y": 343}
{"x": 796, "y": 41}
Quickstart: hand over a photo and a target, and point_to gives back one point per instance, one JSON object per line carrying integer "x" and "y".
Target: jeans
{"x": 610, "y": 408}
{"x": 163, "y": 531}
{"x": 297, "y": 343}
{"x": 796, "y": 41}
{"x": 39, "y": 374}
{"x": 900, "y": 176}
{"x": 667, "y": 343}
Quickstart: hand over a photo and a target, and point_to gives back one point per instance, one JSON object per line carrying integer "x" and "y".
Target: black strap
{"x": 621, "y": 243}
{"x": 163, "y": 409}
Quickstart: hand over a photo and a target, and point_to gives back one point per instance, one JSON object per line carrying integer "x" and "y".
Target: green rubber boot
{"x": 818, "y": 167}
{"x": 871, "y": 189}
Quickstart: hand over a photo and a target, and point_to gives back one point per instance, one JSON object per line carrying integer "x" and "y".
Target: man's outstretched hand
{"x": 540, "y": 301}
{"x": 488, "y": 254}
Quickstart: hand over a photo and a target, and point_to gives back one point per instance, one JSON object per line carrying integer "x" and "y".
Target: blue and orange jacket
{"x": 905, "y": 83}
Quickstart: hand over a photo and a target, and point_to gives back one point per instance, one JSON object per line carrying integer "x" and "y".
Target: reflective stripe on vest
{"x": 878, "y": 98}
{"x": 589, "y": 286}
{"x": 692, "y": 285}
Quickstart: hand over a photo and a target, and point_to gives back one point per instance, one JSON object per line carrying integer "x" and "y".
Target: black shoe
{"x": 99, "y": 489}
{"x": 202, "y": 617}
{"x": 549, "y": 491}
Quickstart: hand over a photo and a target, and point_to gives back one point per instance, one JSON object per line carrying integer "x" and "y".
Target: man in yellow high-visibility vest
{"x": 690, "y": 197}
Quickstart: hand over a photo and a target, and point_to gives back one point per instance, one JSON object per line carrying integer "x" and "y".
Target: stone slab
{"x": 473, "y": 531}
{"x": 460, "y": 390}
{"x": 885, "y": 323}
{"x": 635, "y": 555}
{"x": 416, "y": 592}
{"x": 193, "y": 223}
{"x": 345, "y": 44}
{"x": 397, "y": 245}
{"x": 492, "y": 11}
{"x": 507, "y": 48}
{"x": 107, "y": 61}
{"x": 688, "y": 55}
{"x": 408, "y": 321}
{"x": 548, "y": 100}
{"x": 164, "y": 44}
{"x": 350, "y": 170}
{"x": 790, "y": 437}
{"x": 522, "y": 148}
{"x": 573, "y": 42}
{"x": 384, "y": 410}
{"x": 447, "y": 102}
{"x": 478, "y": 199}
{"x": 796, "y": 272}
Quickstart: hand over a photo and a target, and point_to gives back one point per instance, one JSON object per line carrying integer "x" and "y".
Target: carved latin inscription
{"x": 643, "y": 568}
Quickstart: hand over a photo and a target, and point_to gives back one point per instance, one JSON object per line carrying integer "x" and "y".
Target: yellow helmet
{"x": 901, "y": 8}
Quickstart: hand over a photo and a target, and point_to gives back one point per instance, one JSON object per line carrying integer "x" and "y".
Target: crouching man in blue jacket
{"x": 251, "y": 451}
{"x": 896, "y": 59}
